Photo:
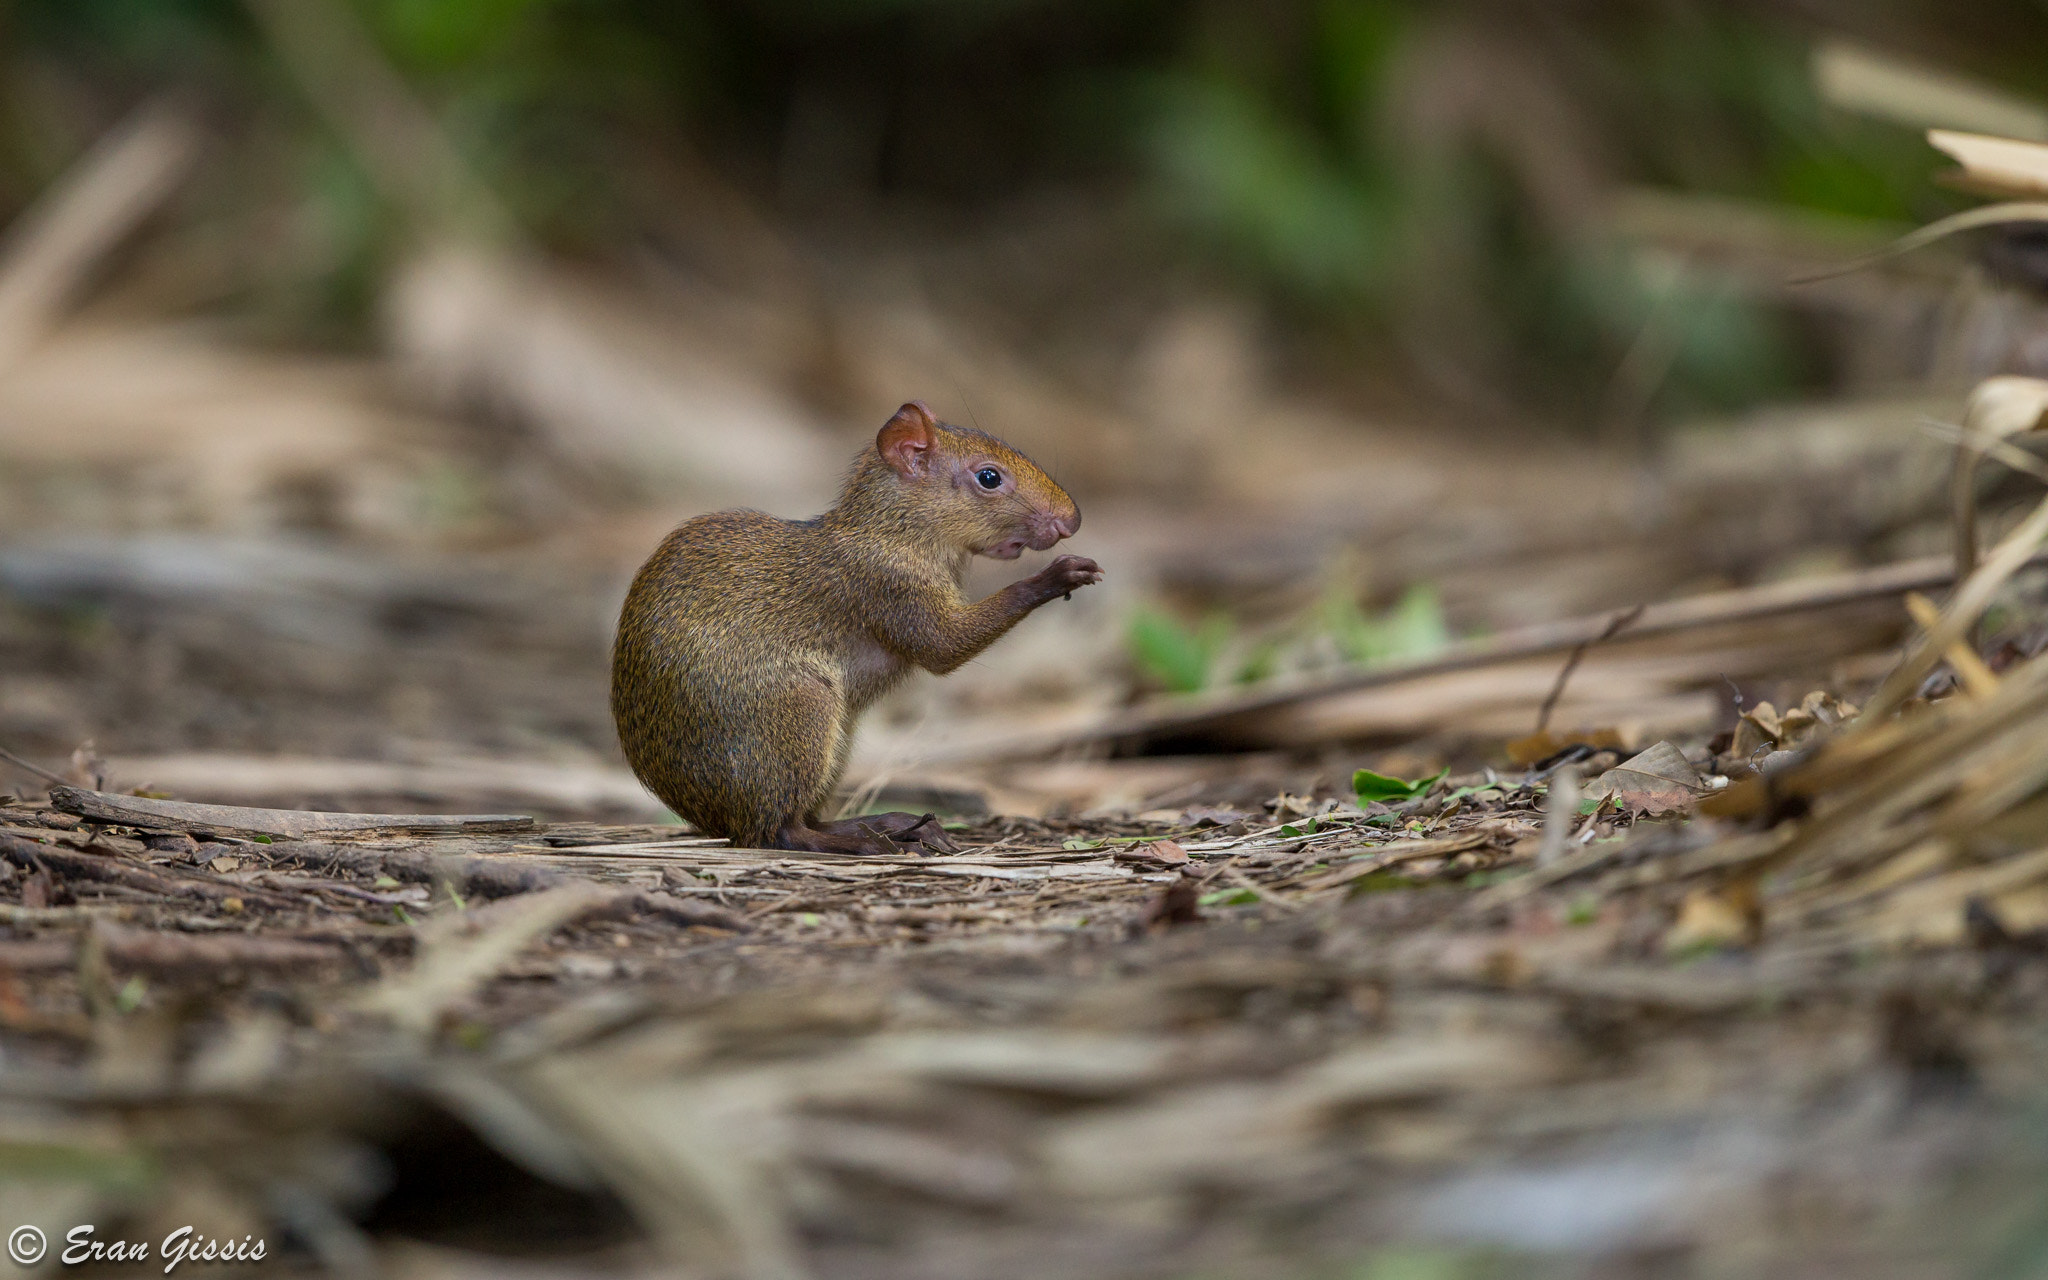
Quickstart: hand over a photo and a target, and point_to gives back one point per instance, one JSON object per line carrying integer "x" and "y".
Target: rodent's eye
{"x": 989, "y": 478}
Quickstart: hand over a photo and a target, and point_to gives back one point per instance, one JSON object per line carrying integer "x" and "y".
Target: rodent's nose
{"x": 1048, "y": 528}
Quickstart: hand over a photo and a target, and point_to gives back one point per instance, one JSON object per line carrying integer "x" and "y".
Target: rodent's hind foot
{"x": 916, "y": 830}
{"x": 802, "y": 838}
{"x": 909, "y": 832}
{"x": 873, "y": 833}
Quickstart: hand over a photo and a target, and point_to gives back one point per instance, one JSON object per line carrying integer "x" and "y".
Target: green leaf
{"x": 1413, "y": 628}
{"x": 1076, "y": 843}
{"x": 1261, "y": 663}
{"x": 1173, "y": 655}
{"x": 1227, "y": 898}
{"x": 131, "y": 995}
{"x": 1292, "y": 833}
{"x": 261, "y": 839}
{"x": 383, "y": 882}
{"x": 1380, "y": 882}
{"x": 1481, "y": 879}
{"x": 1372, "y": 786}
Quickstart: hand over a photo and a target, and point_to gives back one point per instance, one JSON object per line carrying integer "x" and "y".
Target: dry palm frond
{"x": 1913, "y": 814}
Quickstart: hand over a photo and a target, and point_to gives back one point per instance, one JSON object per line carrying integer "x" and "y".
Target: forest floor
{"x": 1305, "y": 1038}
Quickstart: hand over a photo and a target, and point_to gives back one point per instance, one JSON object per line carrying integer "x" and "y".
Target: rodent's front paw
{"x": 1069, "y": 572}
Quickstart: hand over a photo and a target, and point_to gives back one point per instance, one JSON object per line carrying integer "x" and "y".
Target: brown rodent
{"x": 749, "y": 645}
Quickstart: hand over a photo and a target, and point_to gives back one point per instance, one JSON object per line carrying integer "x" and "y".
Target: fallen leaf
{"x": 225, "y": 863}
{"x": 1372, "y": 786}
{"x": 1757, "y": 729}
{"x": 1827, "y": 708}
{"x": 1160, "y": 852}
{"x": 1797, "y": 725}
{"x": 1656, "y": 780}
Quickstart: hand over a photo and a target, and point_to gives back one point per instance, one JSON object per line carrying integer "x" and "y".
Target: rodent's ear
{"x": 906, "y": 440}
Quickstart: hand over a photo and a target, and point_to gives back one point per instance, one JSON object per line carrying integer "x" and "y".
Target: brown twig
{"x": 1969, "y": 220}
{"x": 36, "y": 769}
{"x": 1393, "y": 855}
{"x": 1571, "y": 664}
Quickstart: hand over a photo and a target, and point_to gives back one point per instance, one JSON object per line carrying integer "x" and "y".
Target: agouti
{"x": 749, "y": 645}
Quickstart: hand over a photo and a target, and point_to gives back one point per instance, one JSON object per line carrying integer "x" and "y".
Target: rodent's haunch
{"x": 749, "y": 645}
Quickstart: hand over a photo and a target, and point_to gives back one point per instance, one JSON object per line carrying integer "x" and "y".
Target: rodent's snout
{"x": 1049, "y": 528}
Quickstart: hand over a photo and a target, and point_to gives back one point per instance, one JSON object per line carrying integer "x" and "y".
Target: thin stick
{"x": 1990, "y": 215}
{"x": 1259, "y": 891}
{"x": 1571, "y": 664}
{"x": 35, "y": 769}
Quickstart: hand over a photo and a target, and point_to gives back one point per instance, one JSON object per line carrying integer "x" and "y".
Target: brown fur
{"x": 749, "y": 645}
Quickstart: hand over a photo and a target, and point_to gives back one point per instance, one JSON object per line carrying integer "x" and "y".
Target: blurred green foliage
{"x": 1337, "y": 158}
{"x": 1382, "y": 168}
{"x": 1176, "y": 657}
{"x": 1413, "y": 628}
{"x": 1181, "y": 658}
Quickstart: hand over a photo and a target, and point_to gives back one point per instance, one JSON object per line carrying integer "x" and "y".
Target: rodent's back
{"x": 730, "y": 575}
{"x": 726, "y": 611}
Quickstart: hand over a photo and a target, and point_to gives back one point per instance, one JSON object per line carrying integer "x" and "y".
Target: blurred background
{"x": 354, "y": 352}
